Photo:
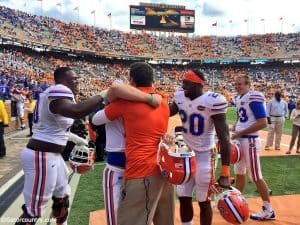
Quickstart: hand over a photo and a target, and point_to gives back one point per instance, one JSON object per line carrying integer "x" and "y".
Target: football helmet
{"x": 177, "y": 163}
{"x": 81, "y": 159}
{"x": 236, "y": 151}
{"x": 232, "y": 206}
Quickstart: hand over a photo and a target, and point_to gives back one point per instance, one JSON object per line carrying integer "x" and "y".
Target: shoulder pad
{"x": 256, "y": 96}
{"x": 178, "y": 96}
{"x": 215, "y": 101}
{"x": 60, "y": 91}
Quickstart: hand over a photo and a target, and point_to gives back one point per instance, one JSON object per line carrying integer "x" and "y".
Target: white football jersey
{"x": 246, "y": 117}
{"x": 47, "y": 126}
{"x": 198, "y": 127}
{"x": 115, "y": 136}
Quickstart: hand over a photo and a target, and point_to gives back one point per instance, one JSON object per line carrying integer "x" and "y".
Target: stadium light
{"x": 77, "y": 9}
{"x": 60, "y": 9}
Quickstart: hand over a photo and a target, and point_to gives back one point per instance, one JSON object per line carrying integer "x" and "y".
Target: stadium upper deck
{"x": 53, "y": 33}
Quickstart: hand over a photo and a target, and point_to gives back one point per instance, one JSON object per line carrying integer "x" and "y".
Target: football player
{"x": 44, "y": 168}
{"x": 252, "y": 117}
{"x": 202, "y": 113}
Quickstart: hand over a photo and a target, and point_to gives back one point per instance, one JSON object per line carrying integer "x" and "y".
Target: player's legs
{"x": 240, "y": 169}
{"x": 204, "y": 178}
{"x": 205, "y": 213}
{"x": 61, "y": 192}
{"x": 251, "y": 147}
{"x": 185, "y": 193}
{"x": 40, "y": 178}
{"x": 112, "y": 181}
{"x": 20, "y": 112}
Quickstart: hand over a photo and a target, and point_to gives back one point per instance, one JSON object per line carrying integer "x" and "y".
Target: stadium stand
{"x": 52, "y": 32}
{"x": 101, "y": 62}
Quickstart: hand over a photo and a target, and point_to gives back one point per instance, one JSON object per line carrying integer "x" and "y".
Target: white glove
{"x": 77, "y": 140}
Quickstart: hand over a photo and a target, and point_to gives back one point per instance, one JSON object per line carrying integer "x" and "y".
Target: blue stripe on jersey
{"x": 258, "y": 110}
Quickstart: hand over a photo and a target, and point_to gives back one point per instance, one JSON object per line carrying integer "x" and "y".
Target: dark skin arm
{"x": 222, "y": 131}
{"x": 173, "y": 109}
{"x": 67, "y": 108}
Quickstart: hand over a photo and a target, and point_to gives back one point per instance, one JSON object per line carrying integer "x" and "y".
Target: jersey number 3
{"x": 243, "y": 115}
{"x": 196, "y": 123}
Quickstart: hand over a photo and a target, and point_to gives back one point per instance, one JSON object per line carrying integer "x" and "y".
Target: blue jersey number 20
{"x": 196, "y": 123}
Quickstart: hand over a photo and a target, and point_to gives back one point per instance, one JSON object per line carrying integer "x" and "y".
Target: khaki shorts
{"x": 145, "y": 200}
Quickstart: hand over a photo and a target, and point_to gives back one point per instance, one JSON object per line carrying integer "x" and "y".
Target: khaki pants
{"x": 145, "y": 200}
{"x": 275, "y": 129}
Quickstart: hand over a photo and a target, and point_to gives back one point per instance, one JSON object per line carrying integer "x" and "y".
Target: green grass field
{"x": 281, "y": 174}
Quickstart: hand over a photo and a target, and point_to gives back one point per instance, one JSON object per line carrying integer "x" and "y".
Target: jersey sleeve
{"x": 60, "y": 91}
{"x": 216, "y": 103}
{"x": 256, "y": 96}
{"x": 178, "y": 97}
{"x": 258, "y": 109}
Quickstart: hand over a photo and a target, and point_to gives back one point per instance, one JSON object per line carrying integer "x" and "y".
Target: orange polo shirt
{"x": 144, "y": 126}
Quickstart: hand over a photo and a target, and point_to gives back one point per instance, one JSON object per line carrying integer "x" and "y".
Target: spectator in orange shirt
{"x": 145, "y": 195}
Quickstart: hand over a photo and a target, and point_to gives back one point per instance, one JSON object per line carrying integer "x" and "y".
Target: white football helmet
{"x": 82, "y": 159}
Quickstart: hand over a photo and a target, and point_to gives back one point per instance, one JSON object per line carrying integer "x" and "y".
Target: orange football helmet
{"x": 177, "y": 163}
{"x": 232, "y": 206}
{"x": 236, "y": 151}
{"x": 81, "y": 159}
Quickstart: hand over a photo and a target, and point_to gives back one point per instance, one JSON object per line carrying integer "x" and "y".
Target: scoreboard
{"x": 162, "y": 19}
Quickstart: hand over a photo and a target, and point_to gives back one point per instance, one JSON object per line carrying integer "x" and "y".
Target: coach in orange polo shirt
{"x": 145, "y": 196}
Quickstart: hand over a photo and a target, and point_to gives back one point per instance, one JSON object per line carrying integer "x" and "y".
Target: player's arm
{"x": 100, "y": 118}
{"x": 259, "y": 113}
{"x": 222, "y": 131}
{"x": 173, "y": 109}
{"x": 109, "y": 113}
{"x": 130, "y": 93}
{"x": 67, "y": 108}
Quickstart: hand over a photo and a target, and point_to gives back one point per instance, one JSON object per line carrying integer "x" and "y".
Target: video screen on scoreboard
{"x": 163, "y": 19}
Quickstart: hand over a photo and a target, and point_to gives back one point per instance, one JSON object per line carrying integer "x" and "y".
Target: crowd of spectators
{"x": 55, "y": 33}
{"x": 33, "y": 70}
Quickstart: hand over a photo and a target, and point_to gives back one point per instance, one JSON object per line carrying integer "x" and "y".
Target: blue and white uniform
{"x": 199, "y": 135}
{"x": 46, "y": 172}
{"x": 250, "y": 108}
{"x": 114, "y": 170}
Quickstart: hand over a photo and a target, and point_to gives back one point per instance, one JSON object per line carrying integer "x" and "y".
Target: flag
{"x": 92, "y": 12}
{"x": 281, "y": 18}
{"x": 245, "y": 20}
{"x": 39, "y": 0}
{"x": 262, "y": 19}
{"x": 58, "y": 4}
{"x": 230, "y": 21}
{"x": 76, "y": 8}
{"x": 293, "y": 25}
{"x": 215, "y": 24}
{"x": 109, "y": 14}
{"x": 24, "y": 4}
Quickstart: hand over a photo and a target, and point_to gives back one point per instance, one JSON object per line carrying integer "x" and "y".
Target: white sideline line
{"x": 11, "y": 181}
